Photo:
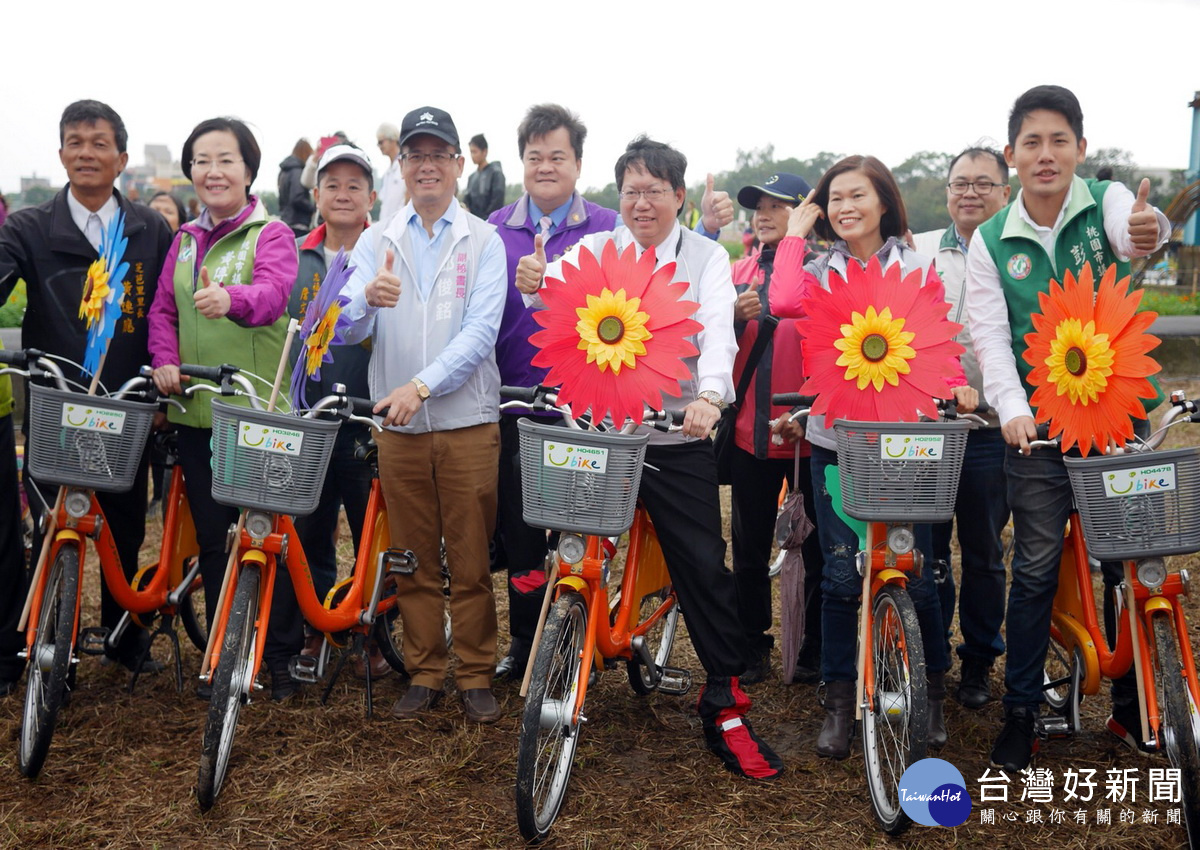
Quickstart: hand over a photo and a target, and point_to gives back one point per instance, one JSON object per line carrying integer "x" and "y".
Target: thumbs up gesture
{"x": 532, "y": 268}
{"x": 384, "y": 288}
{"x": 716, "y": 208}
{"x": 1143, "y": 222}
{"x": 212, "y": 301}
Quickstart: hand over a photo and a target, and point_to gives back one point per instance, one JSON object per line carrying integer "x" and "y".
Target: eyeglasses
{"x": 440, "y": 158}
{"x": 651, "y": 195}
{"x": 982, "y": 187}
{"x": 204, "y": 166}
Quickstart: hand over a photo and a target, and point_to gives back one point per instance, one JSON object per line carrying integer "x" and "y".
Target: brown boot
{"x": 834, "y": 740}
{"x": 936, "y": 691}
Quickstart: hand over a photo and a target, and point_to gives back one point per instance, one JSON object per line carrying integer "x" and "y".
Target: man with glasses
{"x": 51, "y": 247}
{"x": 428, "y": 288}
{"x": 976, "y": 189}
{"x": 679, "y": 484}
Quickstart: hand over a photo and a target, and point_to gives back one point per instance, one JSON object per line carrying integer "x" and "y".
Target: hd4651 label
{"x": 911, "y": 446}
{"x": 1139, "y": 482}
{"x": 570, "y": 456}
{"x": 266, "y": 438}
{"x": 90, "y": 418}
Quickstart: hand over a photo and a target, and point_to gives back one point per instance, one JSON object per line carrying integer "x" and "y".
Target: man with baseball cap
{"x": 344, "y": 196}
{"x": 759, "y": 466}
{"x": 428, "y": 289}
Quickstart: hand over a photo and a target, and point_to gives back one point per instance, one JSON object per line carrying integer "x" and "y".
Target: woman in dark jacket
{"x": 296, "y": 206}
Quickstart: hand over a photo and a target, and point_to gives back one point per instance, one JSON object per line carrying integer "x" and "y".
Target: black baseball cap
{"x": 787, "y": 187}
{"x": 429, "y": 121}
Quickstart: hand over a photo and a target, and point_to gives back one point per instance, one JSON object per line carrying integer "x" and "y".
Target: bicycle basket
{"x": 581, "y": 481}
{"x": 86, "y": 441}
{"x": 900, "y": 471}
{"x": 269, "y": 461}
{"x": 1138, "y": 505}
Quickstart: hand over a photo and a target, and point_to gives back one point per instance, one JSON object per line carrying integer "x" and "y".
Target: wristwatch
{"x": 422, "y": 389}
{"x": 714, "y": 398}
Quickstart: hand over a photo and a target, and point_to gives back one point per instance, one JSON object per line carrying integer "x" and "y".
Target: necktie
{"x": 94, "y": 231}
{"x": 544, "y": 226}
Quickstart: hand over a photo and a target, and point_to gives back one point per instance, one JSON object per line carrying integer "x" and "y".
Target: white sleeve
{"x": 1118, "y": 203}
{"x": 717, "y": 342}
{"x": 987, "y": 314}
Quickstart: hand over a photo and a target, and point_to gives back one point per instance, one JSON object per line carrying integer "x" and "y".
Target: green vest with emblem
{"x": 211, "y": 342}
{"x": 1025, "y": 268}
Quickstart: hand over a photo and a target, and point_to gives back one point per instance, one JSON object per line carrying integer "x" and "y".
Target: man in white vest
{"x": 429, "y": 288}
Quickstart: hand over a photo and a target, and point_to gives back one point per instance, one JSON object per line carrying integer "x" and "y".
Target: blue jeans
{"x": 981, "y": 512}
{"x": 841, "y": 587}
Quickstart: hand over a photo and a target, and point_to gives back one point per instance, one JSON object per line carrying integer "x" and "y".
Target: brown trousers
{"x": 440, "y": 487}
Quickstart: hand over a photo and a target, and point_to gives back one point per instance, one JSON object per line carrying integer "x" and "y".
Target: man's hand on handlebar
{"x": 404, "y": 403}
{"x": 1019, "y": 432}
{"x": 700, "y": 417}
{"x": 966, "y": 398}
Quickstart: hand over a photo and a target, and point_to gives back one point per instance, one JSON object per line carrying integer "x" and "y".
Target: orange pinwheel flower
{"x": 615, "y": 333}
{"x": 878, "y": 346}
{"x": 1089, "y": 356}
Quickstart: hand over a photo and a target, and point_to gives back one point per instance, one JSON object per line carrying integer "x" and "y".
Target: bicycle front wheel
{"x": 49, "y": 661}
{"x": 1178, "y": 721}
{"x": 895, "y": 729}
{"x": 548, "y": 733}
{"x": 229, "y": 683}
{"x": 660, "y": 640}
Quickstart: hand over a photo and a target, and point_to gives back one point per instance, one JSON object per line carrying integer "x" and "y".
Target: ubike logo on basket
{"x": 92, "y": 418}
{"x": 1142, "y": 481}
{"x": 266, "y": 438}
{"x": 911, "y": 447}
{"x": 571, "y": 456}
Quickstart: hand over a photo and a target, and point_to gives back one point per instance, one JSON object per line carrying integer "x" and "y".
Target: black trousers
{"x": 756, "y": 486}
{"x": 14, "y": 575}
{"x": 285, "y": 632}
{"x": 681, "y": 495}
{"x": 125, "y": 514}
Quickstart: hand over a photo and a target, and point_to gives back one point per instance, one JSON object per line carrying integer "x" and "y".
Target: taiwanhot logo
{"x": 911, "y": 447}
{"x": 569, "y": 456}
{"x": 88, "y": 418}
{"x": 265, "y": 438}
{"x": 933, "y": 793}
{"x": 1142, "y": 481}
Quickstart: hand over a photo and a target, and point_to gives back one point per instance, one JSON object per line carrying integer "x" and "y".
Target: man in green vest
{"x": 1058, "y": 223}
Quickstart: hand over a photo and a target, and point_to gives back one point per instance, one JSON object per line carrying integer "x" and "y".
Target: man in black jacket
{"x": 51, "y": 247}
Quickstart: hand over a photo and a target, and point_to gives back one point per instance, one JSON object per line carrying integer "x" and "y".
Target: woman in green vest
{"x": 222, "y": 298}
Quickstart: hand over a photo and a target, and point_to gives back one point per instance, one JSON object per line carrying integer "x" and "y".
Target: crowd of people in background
{"x": 440, "y": 313}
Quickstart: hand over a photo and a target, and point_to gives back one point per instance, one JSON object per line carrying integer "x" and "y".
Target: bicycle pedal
{"x": 1052, "y": 728}
{"x": 303, "y": 668}
{"x": 675, "y": 681}
{"x": 92, "y": 640}
{"x": 400, "y": 562}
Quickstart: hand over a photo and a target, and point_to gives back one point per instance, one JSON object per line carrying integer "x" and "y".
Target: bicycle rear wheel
{"x": 1179, "y": 719}
{"x": 1062, "y": 678}
{"x": 192, "y": 614}
{"x": 660, "y": 640}
{"x": 548, "y": 735}
{"x": 229, "y": 680}
{"x": 49, "y": 661}
{"x": 895, "y": 727}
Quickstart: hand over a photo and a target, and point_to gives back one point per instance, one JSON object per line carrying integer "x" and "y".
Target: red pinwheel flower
{"x": 1089, "y": 357}
{"x": 615, "y": 333}
{"x": 878, "y": 346}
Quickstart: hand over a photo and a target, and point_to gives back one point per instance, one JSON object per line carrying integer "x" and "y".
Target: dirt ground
{"x": 122, "y": 772}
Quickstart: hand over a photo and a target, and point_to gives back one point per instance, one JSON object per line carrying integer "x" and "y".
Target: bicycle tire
{"x": 1062, "y": 680}
{"x": 546, "y": 751}
{"x": 50, "y": 661}
{"x": 1178, "y": 724}
{"x": 660, "y": 640}
{"x": 895, "y": 728}
{"x": 389, "y": 637}
{"x": 193, "y": 615}
{"x": 228, "y": 687}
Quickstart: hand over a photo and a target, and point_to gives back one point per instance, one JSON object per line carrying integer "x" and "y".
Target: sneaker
{"x": 512, "y": 666}
{"x": 758, "y": 669}
{"x": 974, "y": 689}
{"x": 1125, "y": 723}
{"x": 730, "y": 736}
{"x": 1016, "y": 744}
{"x": 283, "y": 686}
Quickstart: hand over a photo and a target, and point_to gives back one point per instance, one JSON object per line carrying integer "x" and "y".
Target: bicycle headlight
{"x": 258, "y": 524}
{"x": 1152, "y": 572}
{"x": 571, "y": 548}
{"x": 901, "y": 539}
{"x": 77, "y": 504}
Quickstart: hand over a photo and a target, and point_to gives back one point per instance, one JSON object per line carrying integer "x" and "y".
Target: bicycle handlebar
{"x": 546, "y": 398}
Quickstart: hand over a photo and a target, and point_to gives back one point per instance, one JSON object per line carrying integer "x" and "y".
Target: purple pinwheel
{"x": 321, "y": 328}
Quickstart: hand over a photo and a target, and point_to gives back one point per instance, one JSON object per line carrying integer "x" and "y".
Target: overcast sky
{"x": 874, "y": 76}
